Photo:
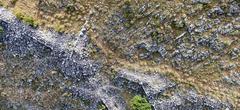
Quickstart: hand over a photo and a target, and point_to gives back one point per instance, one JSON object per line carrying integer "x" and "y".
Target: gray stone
{"x": 233, "y": 79}
{"x": 226, "y": 29}
{"x": 145, "y": 55}
{"x": 162, "y": 51}
{"x": 150, "y": 85}
{"x": 201, "y": 1}
{"x": 70, "y": 54}
{"x": 189, "y": 101}
{"x": 234, "y": 53}
{"x": 234, "y": 9}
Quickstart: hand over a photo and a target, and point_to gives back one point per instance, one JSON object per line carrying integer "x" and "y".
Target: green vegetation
{"x": 156, "y": 37}
{"x": 29, "y": 20}
{"x": 85, "y": 101}
{"x": 102, "y": 107}
{"x": 235, "y": 33}
{"x": 1, "y": 30}
{"x": 128, "y": 14}
{"x": 59, "y": 28}
{"x": 179, "y": 24}
{"x": 139, "y": 103}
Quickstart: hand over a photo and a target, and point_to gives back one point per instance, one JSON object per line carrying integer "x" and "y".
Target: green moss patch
{"x": 139, "y": 103}
{"x": 1, "y": 30}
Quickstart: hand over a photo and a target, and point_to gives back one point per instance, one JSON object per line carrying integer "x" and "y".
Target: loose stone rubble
{"x": 150, "y": 85}
{"x": 155, "y": 38}
{"x": 189, "y": 101}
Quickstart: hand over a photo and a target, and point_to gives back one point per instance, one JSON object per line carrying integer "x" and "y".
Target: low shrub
{"x": 139, "y": 103}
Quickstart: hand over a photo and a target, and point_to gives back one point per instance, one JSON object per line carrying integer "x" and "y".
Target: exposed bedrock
{"x": 64, "y": 52}
{"x": 69, "y": 54}
{"x": 154, "y": 85}
{"x": 151, "y": 85}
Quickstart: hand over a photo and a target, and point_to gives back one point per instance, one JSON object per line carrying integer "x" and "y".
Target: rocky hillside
{"x": 120, "y": 54}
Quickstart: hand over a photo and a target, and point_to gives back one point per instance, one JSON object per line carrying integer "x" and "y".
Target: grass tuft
{"x": 27, "y": 19}
{"x": 59, "y": 28}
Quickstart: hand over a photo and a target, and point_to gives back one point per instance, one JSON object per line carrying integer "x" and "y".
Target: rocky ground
{"x": 87, "y": 54}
